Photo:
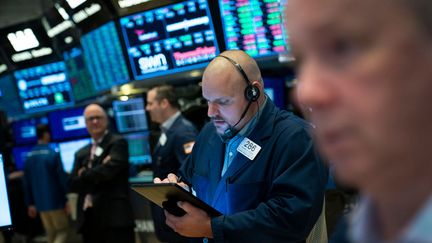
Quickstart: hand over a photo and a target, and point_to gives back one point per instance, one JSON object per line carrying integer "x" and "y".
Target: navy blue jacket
{"x": 45, "y": 180}
{"x": 277, "y": 197}
{"x": 168, "y": 158}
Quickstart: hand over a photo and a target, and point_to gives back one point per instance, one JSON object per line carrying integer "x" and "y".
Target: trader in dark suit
{"x": 175, "y": 143}
{"x": 100, "y": 177}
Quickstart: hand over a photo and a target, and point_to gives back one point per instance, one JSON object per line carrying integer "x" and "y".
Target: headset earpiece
{"x": 252, "y": 93}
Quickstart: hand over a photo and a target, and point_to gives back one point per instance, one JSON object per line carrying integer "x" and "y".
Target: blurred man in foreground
{"x": 365, "y": 79}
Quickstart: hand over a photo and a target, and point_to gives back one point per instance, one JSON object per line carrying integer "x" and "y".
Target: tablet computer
{"x": 166, "y": 196}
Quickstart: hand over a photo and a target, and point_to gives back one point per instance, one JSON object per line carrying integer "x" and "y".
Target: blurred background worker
{"x": 45, "y": 187}
{"x": 100, "y": 176}
{"x": 175, "y": 143}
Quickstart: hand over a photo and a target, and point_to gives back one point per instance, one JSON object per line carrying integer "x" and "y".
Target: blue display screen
{"x": 130, "y": 115}
{"x": 9, "y": 96}
{"x": 175, "y": 38}
{"x": 104, "y": 57}
{"x": 275, "y": 90}
{"x": 44, "y": 88}
{"x": 5, "y": 216}
{"x": 254, "y": 26}
{"x": 67, "y": 152}
{"x": 24, "y": 131}
{"x": 80, "y": 78}
{"x": 66, "y": 124}
{"x": 20, "y": 154}
{"x": 139, "y": 148}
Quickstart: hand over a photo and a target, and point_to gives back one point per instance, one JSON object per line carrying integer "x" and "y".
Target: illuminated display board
{"x": 254, "y": 26}
{"x": 9, "y": 96}
{"x": 80, "y": 78}
{"x": 44, "y": 88}
{"x": 104, "y": 57}
{"x": 27, "y": 44}
{"x": 174, "y": 38}
{"x": 60, "y": 28}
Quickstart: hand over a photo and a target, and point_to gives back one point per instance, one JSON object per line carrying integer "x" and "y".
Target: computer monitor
{"x": 9, "y": 96}
{"x": 20, "y": 154}
{"x": 175, "y": 38}
{"x": 275, "y": 90}
{"x": 139, "y": 148}
{"x": 130, "y": 115}
{"x": 67, "y": 124}
{"x": 24, "y": 131}
{"x": 67, "y": 152}
{"x": 81, "y": 81}
{"x": 104, "y": 57}
{"x": 5, "y": 216}
{"x": 44, "y": 87}
{"x": 255, "y": 27}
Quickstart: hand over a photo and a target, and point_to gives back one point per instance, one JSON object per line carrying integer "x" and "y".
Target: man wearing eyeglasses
{"x": 100, "y": 177}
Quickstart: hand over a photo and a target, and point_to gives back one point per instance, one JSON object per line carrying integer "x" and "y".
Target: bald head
{"x": 248, "y": 64}
{"x": 96, "y": 121}
{"x": 223, "y": 86}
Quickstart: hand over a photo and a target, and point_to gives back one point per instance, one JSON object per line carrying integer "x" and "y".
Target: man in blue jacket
{"x": 45, "y": 187}
{"x": 254, "y": 163}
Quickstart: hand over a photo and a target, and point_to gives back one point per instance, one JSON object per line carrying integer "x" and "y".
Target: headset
{"x": 251, "y": 93}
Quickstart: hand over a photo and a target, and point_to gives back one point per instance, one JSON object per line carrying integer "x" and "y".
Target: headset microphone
{"x": 230, "y": 132}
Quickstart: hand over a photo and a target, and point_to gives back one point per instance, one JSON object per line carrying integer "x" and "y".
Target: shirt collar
{"x": 170, "y": 121}
{"x": 363, "y": 224}
{"x": 100, "y": 139}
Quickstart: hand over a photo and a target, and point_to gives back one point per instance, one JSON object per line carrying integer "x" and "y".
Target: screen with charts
{"x": 67, "y": 152}
{"x": 130, "y": 115}
{"x": 254, "y": 26}
{"x": 9, "y": 96}
{"x": 67, "y": 124}
{"x": 24, "y": 131}
{"x": 44, "y": 88}
{"x": 177, "y": 37}
{"x": 80, "y": 78}
{"x": 104, "y": 57}
{"x": 20, "y": 154}
{"x": 5, "y": 216}
{"x": 139, "y": 148}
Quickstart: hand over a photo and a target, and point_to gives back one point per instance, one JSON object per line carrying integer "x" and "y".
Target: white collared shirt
{"x": 170, "y": 121}
{"x": 363, "y": 227}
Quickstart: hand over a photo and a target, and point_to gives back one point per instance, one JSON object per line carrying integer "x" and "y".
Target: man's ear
{"x": 164, "y": 103}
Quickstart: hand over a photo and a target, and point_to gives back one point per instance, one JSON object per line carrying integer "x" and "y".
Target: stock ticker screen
{"x": 174, "y": 38}
{"x": 254, "y": 26}
{"x": 104, "y": 57}
{"x": 80, "y": 78}
{"x": 44, "y": 88}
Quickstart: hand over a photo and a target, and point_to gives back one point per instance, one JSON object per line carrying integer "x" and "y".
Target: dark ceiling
{"x": 16, "y": 11}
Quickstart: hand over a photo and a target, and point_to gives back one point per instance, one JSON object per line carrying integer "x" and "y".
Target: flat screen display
{"x": 275, "y": 90}
{"x": 104, "y": 57}
{"x": 67, "y": 152}
{"x": 80, "y": 78}
{"x": 67, "y": 124}
{"x": 5, "y": 216}
{"x": 253, "y": 26}
{"x": 20, "y": 154}
{"x": 174, "y": 38}
{"x": 130, "y": 115}
{"x": 24, "y": 131}
{"x": 139, "y": 148}
{"x": 9, "y": 96}
{"x": 44, "y": 88}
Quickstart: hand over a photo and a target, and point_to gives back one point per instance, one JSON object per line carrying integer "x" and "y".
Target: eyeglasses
{"x": 91, "y": 118}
